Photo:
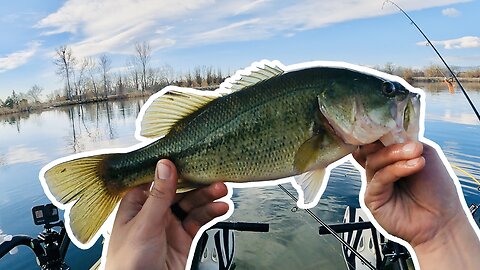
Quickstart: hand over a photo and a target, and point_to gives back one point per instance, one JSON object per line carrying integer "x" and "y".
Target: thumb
{"x": 162, "y": 193}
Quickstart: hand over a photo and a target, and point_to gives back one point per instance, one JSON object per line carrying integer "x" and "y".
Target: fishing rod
{"x": 441, "y": 58}
{"x": 332, "y": 232}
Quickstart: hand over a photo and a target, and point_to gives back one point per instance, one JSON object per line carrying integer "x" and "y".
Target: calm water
{"x": 27, "y": 142}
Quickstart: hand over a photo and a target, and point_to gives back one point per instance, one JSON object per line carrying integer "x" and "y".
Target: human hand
{"x": 410, "y": 195}
{"x": 147, "y": 235}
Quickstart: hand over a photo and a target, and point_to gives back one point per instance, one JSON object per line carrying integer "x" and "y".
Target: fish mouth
{"x": 406, "y": 115}
{"x": 411, "y": 116}
{"x": 367, "y": 127}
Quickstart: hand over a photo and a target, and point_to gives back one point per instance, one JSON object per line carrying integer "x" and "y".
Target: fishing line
{"x": 332, "y": 232}
{"x": 441, "y": 58}
{"x": 466, "y": 173}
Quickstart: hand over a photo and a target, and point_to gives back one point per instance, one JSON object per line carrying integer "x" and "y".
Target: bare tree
{"x": 65, "y": 61}
{"x": 197, "y": 76}
{"x": 136, "y": 79}
{"x": 105, "y": 65}
{"x": 435, "y": 70}
{"x": 120, "y": 85}
{"x": 92, "y": 70}
{"x": 153, "y": 77}
{"x": 209, "y": 75}
{"x": 389, "y": 68}
{"x": 219, "y": 77}
{"x": 80, "y": 82}
{"x": 143, "y": 56}
{"x": 166, "y": 75}
{"x": 189, "y": 79}
{"x": 35, "y": 92}
{"x": 134, "y": 72}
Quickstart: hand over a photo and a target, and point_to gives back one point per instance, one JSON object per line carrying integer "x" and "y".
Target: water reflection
{"x": 30, "y": 141}
{"x": 21, "y": 154}
{"x": 90, "y": 123}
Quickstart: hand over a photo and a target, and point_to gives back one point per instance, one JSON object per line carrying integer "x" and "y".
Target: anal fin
{"x": 311, "y": 184}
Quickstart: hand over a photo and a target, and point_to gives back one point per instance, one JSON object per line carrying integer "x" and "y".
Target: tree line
{"x": 432, "y": 71}
{"x": 93, "y": 78}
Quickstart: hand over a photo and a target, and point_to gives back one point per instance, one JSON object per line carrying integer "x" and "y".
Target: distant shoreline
{"x": 42, "y": 106}
{"x": 440, "y": 79}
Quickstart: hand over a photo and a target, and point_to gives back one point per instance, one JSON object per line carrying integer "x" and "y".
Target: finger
{"x": 380, "y": 189}
{"x": 131, "y": 203}
{"x": 202, "y": 215}
{"x": 390, "y": 155}
{"x": 202, "y": 196}
{"x": 161, "y": 195}
{"x": 361, "y": 153}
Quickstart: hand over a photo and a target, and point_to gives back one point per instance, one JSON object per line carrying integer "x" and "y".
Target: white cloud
{"x": 115, "y": 25}
{"x": 238, "y": 31}
{"x": 458, "y": 43}
{"x": 16, "y": 59}
{"x": 451, "y": 12}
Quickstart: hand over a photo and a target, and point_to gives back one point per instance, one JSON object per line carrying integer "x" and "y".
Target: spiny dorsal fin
{"x": 168, "y": 108}
{"x": 257, "y": 72}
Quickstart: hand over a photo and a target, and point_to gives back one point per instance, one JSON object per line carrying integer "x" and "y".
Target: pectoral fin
{"x": 308, "y": 153}
{"x": 311, "y": 183}
{"x": 313, "y": 156}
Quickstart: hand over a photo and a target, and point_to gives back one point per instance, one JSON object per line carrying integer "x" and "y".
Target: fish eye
{"x": 388, "y": 88}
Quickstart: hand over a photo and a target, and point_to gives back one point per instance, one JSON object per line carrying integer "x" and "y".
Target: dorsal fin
{"x": 257, "y": 72}
{"x": 168, "y": 108}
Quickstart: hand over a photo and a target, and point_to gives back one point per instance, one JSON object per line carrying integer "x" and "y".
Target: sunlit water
{"x": 29, "y": 141}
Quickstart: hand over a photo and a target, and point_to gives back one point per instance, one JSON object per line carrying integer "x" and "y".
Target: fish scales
{"x": 244, "y": 136}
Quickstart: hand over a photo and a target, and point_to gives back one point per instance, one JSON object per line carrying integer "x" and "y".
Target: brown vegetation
{"x": 432, "y": 73}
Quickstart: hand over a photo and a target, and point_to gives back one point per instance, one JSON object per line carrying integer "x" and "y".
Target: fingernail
{"x": 412, "y": 162}
{"x": 162, "y": 171}
{"x": 409, "y": 148}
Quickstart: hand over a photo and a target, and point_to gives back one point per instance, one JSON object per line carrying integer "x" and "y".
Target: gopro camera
{"x": 45, "y": 214}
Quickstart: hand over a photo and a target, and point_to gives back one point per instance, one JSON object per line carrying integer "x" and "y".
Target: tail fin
{"x": 80, "y": 181}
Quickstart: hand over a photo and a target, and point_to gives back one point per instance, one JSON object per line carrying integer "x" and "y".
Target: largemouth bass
{"x": 262, "y": 124}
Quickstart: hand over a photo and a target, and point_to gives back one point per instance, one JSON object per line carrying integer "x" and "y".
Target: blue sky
{"x": 230, "y": 34}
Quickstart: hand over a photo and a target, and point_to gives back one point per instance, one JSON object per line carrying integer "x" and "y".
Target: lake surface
{"x": 29, "y": 141}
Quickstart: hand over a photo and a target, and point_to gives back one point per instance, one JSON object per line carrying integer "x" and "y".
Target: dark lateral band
{"x": 178, "y": 212}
